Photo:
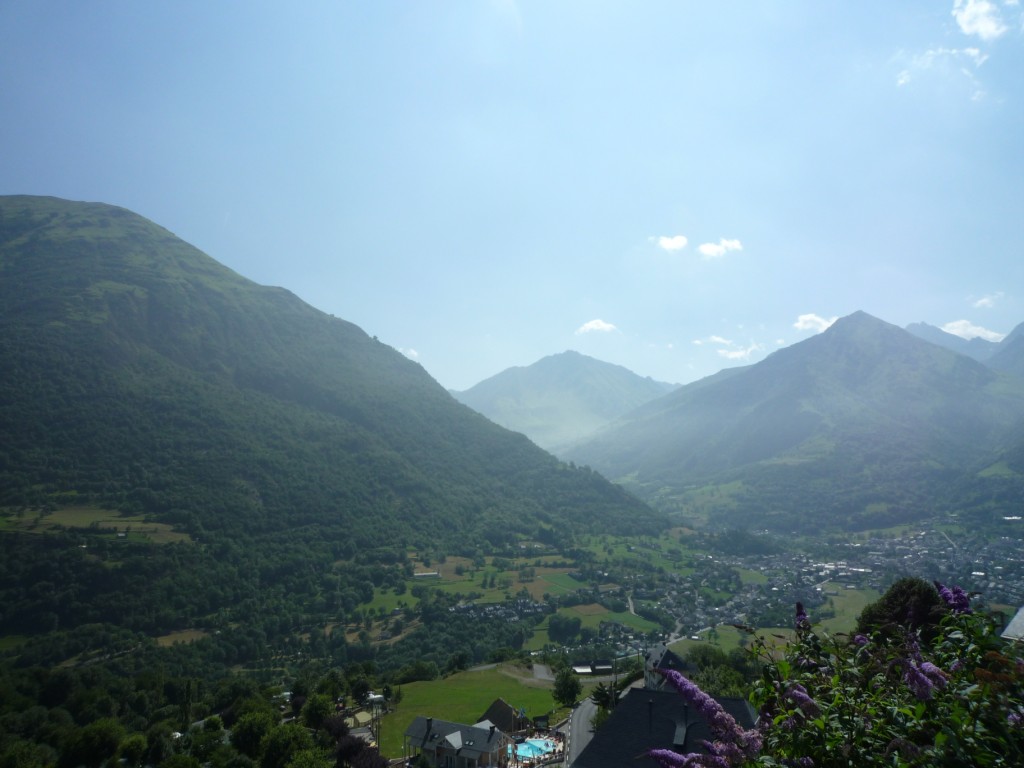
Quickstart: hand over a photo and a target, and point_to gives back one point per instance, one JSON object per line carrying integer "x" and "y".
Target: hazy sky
{"x": 676, "y": 186}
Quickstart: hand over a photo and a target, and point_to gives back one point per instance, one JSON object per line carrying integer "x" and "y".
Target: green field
{"x": 95, "y": 519}
{"x": 463, "y": 698}
{"x": 11, "y": 642}
{"x": 848, "y": 604}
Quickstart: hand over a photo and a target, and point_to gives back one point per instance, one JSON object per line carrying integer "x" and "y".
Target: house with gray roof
{"x": 661, "y": 657}
{"x": 506, "y": 717}
{"x": 444, "y": 744}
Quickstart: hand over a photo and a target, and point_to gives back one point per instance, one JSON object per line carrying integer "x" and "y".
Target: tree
{"x": 603, "y": 696}
{"x": 310, "y": 758}
{"x": 180, "y": 761}
{"x": 284, "y": 742}
{"x": 567, "y": 687}
{"x": 316, "y": 710}
{"x": 95, "y": 743}
{"x": 563, "y": 629}
{"x": 132, "y": 749}
{"x": 910, "y": 603}
{"x": 249, "y": 732}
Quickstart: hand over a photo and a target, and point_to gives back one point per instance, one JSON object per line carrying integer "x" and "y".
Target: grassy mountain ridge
{"x": 141, "y": 373}
{"x": 978, "y": 348}
{"x": 863, "y": 421}
{"x": 561, "y": 398}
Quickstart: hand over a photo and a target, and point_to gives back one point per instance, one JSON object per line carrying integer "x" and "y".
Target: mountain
{"x": 562, "y": 398}
{"x": 142, "y": 376}
{"x": 861, "y": 424}
{"x": 977, "y": 348}
{"x": 1009, "y": 355}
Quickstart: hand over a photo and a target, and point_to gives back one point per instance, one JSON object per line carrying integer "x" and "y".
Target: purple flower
{"x": 666, "y": 758}
{"x": 957, "y": 600}
{"x": 802, "y": 622}
{"x": 936, "y": 675}
{"x": 860, "y": 640}
{"x": 732, "y": 744}
{"x": 797, "y": 694}
{"x": 917, "y": 681}
{"x": 722, "y": 723}
{"x": 1015, "y": 719}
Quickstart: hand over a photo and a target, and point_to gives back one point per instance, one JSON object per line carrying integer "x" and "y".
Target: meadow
{"x": 95, "y": 520}
{"x": 463, "y": 698}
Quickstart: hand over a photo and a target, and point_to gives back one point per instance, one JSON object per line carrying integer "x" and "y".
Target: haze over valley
{"x": 386, "y": 385}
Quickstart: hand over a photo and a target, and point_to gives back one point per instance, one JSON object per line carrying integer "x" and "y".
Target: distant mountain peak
{"x": 561, "y": 398}
{"x": 978, "y": 348}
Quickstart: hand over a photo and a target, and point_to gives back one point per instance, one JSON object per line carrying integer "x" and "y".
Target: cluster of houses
{"x": 489, "y": 743}
{"x": 646, "y": 717}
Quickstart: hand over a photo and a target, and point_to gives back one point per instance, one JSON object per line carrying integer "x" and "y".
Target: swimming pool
{"x": 534, "y": 748}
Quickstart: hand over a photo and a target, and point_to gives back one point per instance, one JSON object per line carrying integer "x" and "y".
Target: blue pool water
{"x": 533, "y": 748}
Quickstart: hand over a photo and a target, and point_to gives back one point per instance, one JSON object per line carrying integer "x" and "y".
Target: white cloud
{"x": 987, "y": 302}
{"x": 673, "y": 243}
{"x": 739, "y": 353}
{"x": 944, "y": 62}
{"x": 412, "y": 354}
{"x": 719, "y": 249}
{"x": 729, "y": 349}
{"x": 812, "y": 322}
{"x": 965, "y": 329}
{"x": 595, "y": 325}
{"x": 978, "y": 17}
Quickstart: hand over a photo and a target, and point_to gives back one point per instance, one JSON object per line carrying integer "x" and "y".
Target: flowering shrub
{"x": 885, "y": 700}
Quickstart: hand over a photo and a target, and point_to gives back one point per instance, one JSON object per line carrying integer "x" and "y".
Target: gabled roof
{"x": 467, "y": 740}
{"x": 660, "y": 657}
{"x": 1015, "y": 629}
{"x": 503, "y": 715}
{"x": 645, "y": 720}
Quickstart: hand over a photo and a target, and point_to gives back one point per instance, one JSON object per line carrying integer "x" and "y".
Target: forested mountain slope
{"x": 862, "y": 424}
{"x": 562, "y": 398}
{"x": 142, "y": 375}
{"x": 138, "y": 370}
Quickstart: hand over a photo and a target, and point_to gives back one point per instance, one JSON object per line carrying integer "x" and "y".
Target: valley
{"x": 219, "y": 505}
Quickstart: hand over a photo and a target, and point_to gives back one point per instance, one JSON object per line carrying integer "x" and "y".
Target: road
{"x": 580, "y": 732}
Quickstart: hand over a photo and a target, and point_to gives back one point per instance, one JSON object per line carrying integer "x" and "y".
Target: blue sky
{"x": 676, "y": 187}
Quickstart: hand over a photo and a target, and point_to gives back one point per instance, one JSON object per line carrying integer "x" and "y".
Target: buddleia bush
{"x": 885, "y": 699}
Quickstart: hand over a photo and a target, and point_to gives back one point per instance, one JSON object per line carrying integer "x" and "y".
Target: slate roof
{"x": 645, "y": 720}
{"x": 1015, "y": 629}
{"x": 660, "y": 657}
{"x": 503, "y": 715}
{"x": 469, "y": 740}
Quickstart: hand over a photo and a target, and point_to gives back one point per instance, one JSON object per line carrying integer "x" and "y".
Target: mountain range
{"x": 561, "y": 399}
{"x": 139, "y": 373}
{"x": 142, "y": 375}
{"x": 863, "y": 424}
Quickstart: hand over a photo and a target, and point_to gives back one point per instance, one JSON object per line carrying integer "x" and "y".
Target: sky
{"x": 676, "y": 187}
